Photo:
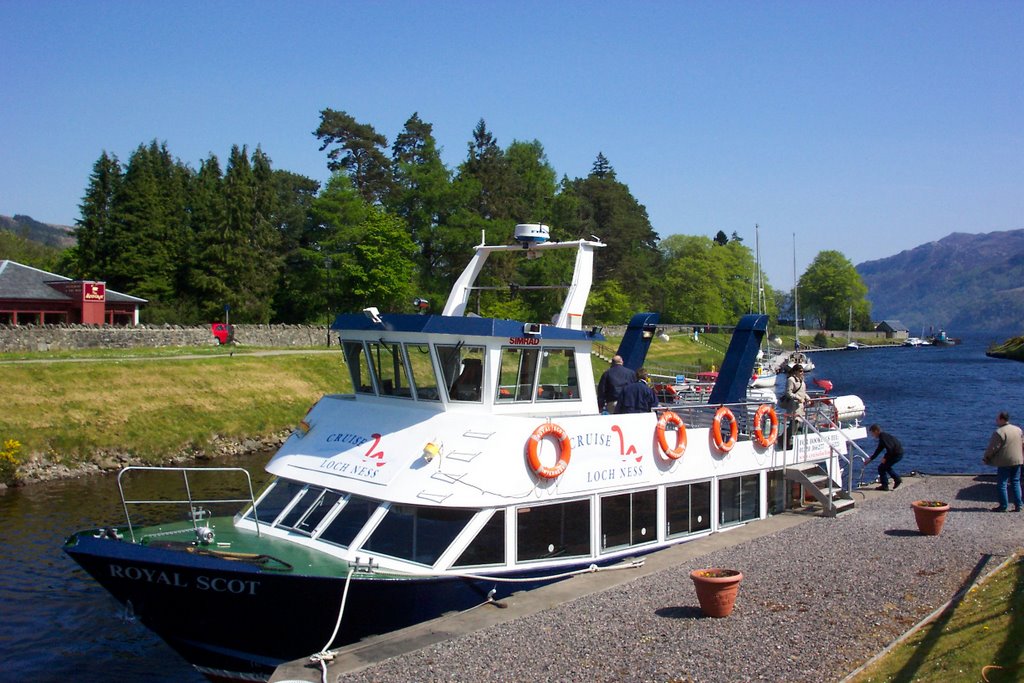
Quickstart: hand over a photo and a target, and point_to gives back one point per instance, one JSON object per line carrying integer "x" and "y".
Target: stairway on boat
{"x": 815, "y": 481}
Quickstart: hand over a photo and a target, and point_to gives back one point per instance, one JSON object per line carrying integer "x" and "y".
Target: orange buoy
{"x": 716, "y": 429}
{"x": 533, "y": 446}
{"x": 666, "y": 418}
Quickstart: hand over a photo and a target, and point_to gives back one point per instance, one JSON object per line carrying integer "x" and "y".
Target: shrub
{"x": 9, "y": 460}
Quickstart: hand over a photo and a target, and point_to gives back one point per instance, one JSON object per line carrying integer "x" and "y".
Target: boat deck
{"x": 810, "y": 590}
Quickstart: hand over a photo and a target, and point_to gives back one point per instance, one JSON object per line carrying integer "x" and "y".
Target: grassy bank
{"x": 977, "y": 639}
{"x": 71, "y": 411}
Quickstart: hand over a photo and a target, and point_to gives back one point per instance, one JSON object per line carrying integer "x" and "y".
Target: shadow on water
{"x": 936, "y": 628}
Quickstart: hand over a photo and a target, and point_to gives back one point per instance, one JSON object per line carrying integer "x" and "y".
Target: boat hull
{"x": 238, "y": 619}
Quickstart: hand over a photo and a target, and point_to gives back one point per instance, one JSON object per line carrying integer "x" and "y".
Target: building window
{"x": 687, "y": 509}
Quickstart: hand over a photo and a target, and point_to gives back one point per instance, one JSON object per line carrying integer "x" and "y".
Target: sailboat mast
{"x": 796, "y": 301}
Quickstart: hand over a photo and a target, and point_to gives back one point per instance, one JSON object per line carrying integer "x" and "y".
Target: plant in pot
{"x": 716, "y": 590}
{"x": 930, "y": 516}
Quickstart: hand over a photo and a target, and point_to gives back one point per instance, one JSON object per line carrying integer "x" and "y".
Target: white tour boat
{"x": 469, "y": 462}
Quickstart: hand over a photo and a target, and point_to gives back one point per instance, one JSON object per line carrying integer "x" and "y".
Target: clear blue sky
{"x": 866, "y": 127}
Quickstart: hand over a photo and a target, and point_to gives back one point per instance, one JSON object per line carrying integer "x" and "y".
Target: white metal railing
{"x": 825, "y": 417}
{"x": 195, "y": 515}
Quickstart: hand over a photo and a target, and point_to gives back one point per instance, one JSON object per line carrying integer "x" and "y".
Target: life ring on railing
{"x": 533, "y": 445}
{"x": 716, "y": 429}
{"x": 680, "y": 447}
{"x": 762, "y": 440}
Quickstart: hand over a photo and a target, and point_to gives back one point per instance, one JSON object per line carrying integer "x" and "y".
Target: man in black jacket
{"x": 893, "y": 452}
{"x": 611, "y": 384}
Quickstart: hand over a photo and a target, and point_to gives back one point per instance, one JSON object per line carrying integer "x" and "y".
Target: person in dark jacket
{"x": 638, "y": 397}
{"x": 893, "y": 452}
{"x": 611, "y": 384}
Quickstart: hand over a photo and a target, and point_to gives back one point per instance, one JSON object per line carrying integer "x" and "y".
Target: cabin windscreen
{"x": 463, "y": 368}
{"x": 421, "y": 367}
{"x": 528, "y": 374}
{"x": 358, "y": 366}
{"x": 388, "y": 360}
{"x": 488, "y": 547}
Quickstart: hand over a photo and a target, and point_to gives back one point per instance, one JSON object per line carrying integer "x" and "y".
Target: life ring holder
{"x": 721, "y": 444}
{"x": 533, "y": 446}
{"x": 773, "y": 434}
{"x": 670, "y": 417}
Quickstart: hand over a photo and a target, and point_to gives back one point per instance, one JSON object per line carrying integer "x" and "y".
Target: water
{"x": 58, "y": 625}
{"x": 940, "y": 402}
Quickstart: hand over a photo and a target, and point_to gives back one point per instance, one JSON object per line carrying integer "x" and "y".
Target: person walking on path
{"x": 611, "y": 384}
{"x": 893, "y": 453}
{"x": 638, "y": 397}
{"x": 794, "y": 400}
{"x": 1006, "y": 453}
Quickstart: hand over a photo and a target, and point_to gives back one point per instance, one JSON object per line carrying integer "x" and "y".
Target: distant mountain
{"x": 959, "y": 283}
{"x": 59, "y": 236}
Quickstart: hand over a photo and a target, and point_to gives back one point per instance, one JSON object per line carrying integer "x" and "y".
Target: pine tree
{"x": 359, "y": 152}
{"x": 94, "y": 229}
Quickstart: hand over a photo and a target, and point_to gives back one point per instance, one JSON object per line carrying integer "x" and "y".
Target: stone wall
{"x": 20, "y": 338}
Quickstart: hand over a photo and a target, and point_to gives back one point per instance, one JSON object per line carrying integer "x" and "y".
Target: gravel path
{"x": 817, "y": 600}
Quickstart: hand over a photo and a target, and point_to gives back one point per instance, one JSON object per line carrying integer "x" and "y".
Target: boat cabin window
{"x": 489, "y": 545}
{"x": 463, "y": 368}
{"x": 629, "y": 519}
{"x": 274, "y": 500}
{"x": 519, "y": 380}
{"x": 421, "y": 365}
{"x": 358, "y": 366}
{"x": 549, "y": 531}
{"x": 349, "y": 521}
{"x": 739, "y": 499}
{"x": 310, "y": 510}
{"x": 417, "y": 534}
{"x": 389, "y": 367}
{"x": 517, "y": 374}
{"x": 558, "y": 380}
{"x": 687, "y": 509}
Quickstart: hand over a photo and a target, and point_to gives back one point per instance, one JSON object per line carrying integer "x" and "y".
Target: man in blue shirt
{"x": 638, "y": 397}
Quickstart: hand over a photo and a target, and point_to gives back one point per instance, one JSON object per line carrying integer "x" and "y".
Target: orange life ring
{"x": 680, "y": 447}
{"x": 533, "y": 445}
{"x": 716, "y": 430}
{"x": 762, "y": 440}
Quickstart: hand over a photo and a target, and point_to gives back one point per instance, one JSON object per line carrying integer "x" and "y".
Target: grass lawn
{"x": 980, "y": 638}
{"x": 157, "y": 407}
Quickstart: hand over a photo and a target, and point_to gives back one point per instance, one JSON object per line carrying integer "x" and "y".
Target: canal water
{"x": 56, "y": 624}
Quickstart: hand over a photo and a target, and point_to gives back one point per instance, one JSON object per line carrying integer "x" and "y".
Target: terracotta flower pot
{"x": 716, "y": 590}
{"x": 930, "y": 516}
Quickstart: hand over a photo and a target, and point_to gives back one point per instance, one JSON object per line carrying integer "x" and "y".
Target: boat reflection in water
{"x": 470, "y": 462}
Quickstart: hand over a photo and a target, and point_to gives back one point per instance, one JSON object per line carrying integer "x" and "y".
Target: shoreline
{"x": 39, "y": 470}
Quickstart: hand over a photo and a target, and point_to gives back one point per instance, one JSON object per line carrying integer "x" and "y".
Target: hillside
{"x": 961, "y": 282}
{"x": 59, "y": 236}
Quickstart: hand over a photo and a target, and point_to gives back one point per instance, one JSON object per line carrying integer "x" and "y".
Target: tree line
{"x": 393, "y": 223}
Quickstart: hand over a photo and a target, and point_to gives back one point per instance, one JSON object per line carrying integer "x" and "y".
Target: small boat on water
{"x": 942, "y": 339}
{"x": 469, "y": 462}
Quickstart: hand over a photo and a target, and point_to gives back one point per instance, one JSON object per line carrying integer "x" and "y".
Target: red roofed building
{"x": 29, "y": 296}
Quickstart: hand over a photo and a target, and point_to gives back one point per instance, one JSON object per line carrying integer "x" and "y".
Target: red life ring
{"x": 533, "y": 445}
{"x": 716, "y": 429}
{"x": 680, "y": 447}
{"x": 762, "y": 440}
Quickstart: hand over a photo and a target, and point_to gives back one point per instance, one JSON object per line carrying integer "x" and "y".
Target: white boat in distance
{"x": 469, "y": 462}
